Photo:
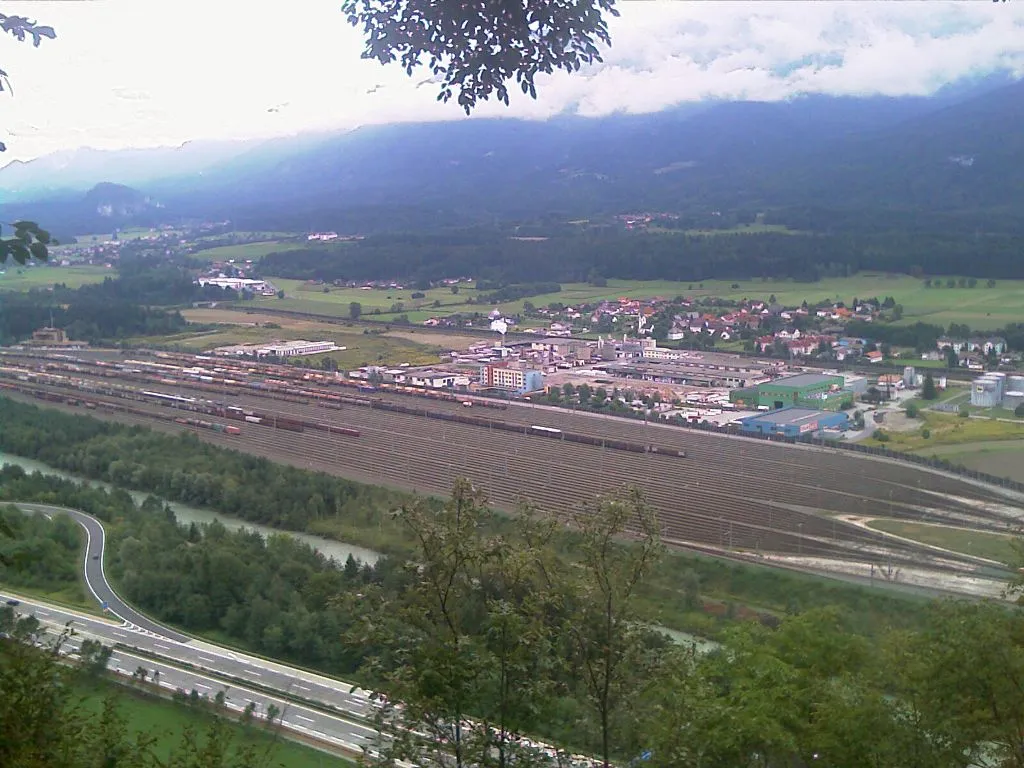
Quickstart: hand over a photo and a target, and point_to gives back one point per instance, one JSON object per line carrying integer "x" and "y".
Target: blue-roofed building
{"x": 794, "y": 422}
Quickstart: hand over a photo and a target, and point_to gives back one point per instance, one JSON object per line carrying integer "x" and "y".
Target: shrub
{"x": 912, "y": 411}
{"x": 881, "y": 436}
{"x": 926, "y": 433}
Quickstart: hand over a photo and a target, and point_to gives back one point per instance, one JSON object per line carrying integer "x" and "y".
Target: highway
{"x": 310, "y": 722}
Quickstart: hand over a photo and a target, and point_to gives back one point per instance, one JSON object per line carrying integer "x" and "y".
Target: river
{"x": 186, "y": 514}
{"x": 329, "y": 547}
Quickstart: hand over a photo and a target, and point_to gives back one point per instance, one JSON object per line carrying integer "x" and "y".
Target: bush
{"x": 926, "y": 433}
{"x": 963, "y": 413}
{"x": 912, "y": 412}
{"x": 881, "y": 436}
{"x": 1019, "y": 411}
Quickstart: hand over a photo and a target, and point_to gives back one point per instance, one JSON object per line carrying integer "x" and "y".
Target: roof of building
{"x": 803, "y": 380}
{"x": 789, "y": 416}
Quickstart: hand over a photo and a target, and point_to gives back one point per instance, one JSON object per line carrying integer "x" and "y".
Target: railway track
{"x": 732, "y": 494}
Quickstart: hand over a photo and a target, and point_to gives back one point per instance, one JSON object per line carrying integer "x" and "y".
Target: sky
{"x": 141, "y": 73}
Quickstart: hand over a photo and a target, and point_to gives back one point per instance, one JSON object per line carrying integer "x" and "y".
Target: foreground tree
{"x": 474, "y": 49}
{"x": 21, "y": 29}
{"x": 29, "y": 240}
{"x": 43, "y": 723}
{"x": 603, "y": 627}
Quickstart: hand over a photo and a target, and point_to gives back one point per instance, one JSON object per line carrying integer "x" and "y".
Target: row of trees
{"x": 182, "y": 468}
{"x": 494, "y": 257}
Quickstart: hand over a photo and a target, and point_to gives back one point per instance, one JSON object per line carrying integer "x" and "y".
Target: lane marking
{"x": 303, "y": 717}
{"x": 160, "y": 645}
{"x": 301, "y": 687}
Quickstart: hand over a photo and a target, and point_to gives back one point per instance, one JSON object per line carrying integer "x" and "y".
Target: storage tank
{"x": 1013, "y": 398}
{"x": 909, "y": 377}
{"x": 985, "y": 392}
{"x": 1014, "y": 383}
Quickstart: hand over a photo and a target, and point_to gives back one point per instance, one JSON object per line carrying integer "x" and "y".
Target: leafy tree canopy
{"x": 29, "y": 242}
{"x": 475, "y": 48}
{"x": 21, "y": 29}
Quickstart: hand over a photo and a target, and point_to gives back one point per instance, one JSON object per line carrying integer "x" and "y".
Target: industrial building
{"x": 816, "y": 391}
{"x": 504, "y": 376}
{"x": 680, "y": 373}
{"x": 794, "y": 422}
{"x": 994, "y": 390}
{"x": 296, "y": 348}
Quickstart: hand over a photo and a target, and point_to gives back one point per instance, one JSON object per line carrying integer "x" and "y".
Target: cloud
{"x": 125, "y": 73}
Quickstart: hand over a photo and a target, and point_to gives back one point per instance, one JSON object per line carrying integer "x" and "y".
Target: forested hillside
{"x": 678, "y": 256}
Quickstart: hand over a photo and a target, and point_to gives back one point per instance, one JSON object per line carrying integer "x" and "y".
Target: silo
{"x": 909, "y": 377}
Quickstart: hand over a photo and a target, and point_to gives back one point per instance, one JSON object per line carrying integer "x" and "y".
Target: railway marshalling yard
{"x": 802, "y": 506}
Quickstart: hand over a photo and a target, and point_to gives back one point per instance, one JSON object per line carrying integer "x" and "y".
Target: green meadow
{"x": 14, "y": 277}
{"x": 980, "y": 307}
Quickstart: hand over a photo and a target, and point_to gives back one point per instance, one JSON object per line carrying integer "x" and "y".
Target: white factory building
{"x": 238, "y": 284}
{"x": 296, "y": 348}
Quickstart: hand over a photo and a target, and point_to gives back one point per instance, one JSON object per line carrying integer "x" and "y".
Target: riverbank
{"x": 186, "y": 514}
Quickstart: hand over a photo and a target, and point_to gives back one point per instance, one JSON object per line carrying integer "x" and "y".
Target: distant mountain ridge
{"x": 956, "y": 152}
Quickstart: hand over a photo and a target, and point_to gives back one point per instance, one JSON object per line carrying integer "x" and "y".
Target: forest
{"x": 607, "y": 252}
{"x": 506, "y": 630}
{"x": 117, "y": 308}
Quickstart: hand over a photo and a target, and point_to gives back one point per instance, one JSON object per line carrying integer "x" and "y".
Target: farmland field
{"x": 980, "y": 307}
{"x": 297, "y": 328}
{"x": 361, "y": 348}
{"x": 18, "y": 278}
{"x": 992, "y": 546}
{"x": 244, "y": 251}
{"x": 1000, "y": 458}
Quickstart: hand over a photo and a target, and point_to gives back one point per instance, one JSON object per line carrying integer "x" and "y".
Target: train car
{"x": 345, "y": 431}
{"x": 545, "y": 431}
{"x": 169, "y": 398}
{"x": 667, "y": 452}
{"x": 254, "y": 419}
{"x": 290, "y": 425}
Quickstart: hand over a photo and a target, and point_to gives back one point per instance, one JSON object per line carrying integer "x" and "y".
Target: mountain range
{"x": 957, "y": 153}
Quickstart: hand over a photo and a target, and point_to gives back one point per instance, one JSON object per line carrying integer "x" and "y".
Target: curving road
{"x": 138, "y": 631}
{"x": 96, "y": 579}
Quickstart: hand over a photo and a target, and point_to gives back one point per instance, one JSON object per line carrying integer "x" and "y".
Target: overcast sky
{"x": 159, "y": 72}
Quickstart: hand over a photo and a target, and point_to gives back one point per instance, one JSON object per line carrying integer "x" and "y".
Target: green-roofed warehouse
{"x": 819, "y": 391}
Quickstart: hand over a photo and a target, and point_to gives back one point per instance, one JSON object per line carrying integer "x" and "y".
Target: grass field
{"x": 244, "y": 251}
{"x": 992, "y": 546}
{"x": 981, "y": 308}
{"x": 361, "y": 348}
{"x": 1001, "y": 458}
{"x": 166, "y": 720}
{"x": 18, "y": 278}
{"x": 950, "y": 430}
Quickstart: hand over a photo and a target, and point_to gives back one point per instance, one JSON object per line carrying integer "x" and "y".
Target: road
{"x": 305, "y": 720}
{"x": 96, "y": 579}
{"x": 137, "y": 631}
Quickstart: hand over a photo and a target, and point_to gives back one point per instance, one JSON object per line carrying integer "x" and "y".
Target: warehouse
{"x": 816, "y": 391}
{"x": 794, "y": 422}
